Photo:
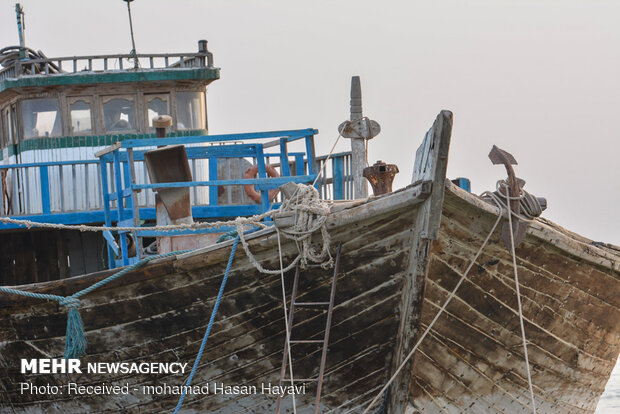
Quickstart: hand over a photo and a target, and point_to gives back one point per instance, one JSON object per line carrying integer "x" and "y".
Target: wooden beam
{"x": 430, "y": 164}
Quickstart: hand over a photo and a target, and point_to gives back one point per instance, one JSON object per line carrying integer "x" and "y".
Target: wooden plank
{"x": 433, "y": 167}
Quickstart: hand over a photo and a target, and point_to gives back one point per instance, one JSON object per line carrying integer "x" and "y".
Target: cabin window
{"x": 156, "y": 105}
{"x": 191, "y": 112}
{"x": 7, "y": 127}
{"x": 119, "y": 114}
{"x": 81, "y": 116}
{"x": 41, "y": 118}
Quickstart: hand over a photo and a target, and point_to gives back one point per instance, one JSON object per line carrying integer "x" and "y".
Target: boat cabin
{"x": 89, "y": 101}
{"x": 58, "y": 113}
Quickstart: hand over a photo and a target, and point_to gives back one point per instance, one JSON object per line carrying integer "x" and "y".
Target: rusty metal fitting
{"x": 381, "y": 175}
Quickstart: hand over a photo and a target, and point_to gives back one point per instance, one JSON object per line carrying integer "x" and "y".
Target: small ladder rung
{"x": 311, "y": 303}
{"x": 300, "y": 380}
{"x": 306, "y": 341}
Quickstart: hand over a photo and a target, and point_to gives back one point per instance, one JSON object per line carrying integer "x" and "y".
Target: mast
{"x": 358, "y": 145}
{"x": 21, "y": 28}
{"x": 133, "y": 53}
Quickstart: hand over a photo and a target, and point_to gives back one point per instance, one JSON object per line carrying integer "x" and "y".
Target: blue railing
{"x": 102, "y": 191}
{"x": 122, "y": 159}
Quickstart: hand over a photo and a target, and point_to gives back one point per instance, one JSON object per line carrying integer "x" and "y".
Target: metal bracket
{"x": 499, "y": 156}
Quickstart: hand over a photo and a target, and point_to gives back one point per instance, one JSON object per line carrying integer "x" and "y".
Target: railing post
{"x": 213, "y": 189}
{"x": 45, "y": 189}
{"x": 119, "y": 204}
{"x": 300, "y": 168}
{"x": 262, "y": 173}
{"x": 338, "y": 177}
{"x": 107, "y": 214}
{"x": 134, "y": 200}
{"x": 286, "y": 169}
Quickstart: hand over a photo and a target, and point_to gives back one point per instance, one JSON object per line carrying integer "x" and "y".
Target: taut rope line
{"x": 441, "y": 310}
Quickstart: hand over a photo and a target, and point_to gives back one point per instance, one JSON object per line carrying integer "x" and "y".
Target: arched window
{"x": 81, "y": 116}
{"x": 119, "y": 114}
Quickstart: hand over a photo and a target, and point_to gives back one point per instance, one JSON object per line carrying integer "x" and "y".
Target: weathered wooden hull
{"x": 472, "y": 361}
{"x": 159, "y": 314}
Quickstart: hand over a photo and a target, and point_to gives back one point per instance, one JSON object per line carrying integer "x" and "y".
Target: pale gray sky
{"x": 538, "y": 78}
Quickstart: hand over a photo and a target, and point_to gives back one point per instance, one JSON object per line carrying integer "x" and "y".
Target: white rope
{"x": 253, "y": 220}
{"x": 327, "y": 159}
{"x": 514, "y": 265}
{"x": 288, "y": 333}
{"x": 441, "y": 310}
{"x": 311, "y": 216}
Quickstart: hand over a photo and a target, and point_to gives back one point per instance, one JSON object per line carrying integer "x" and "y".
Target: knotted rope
{"x": 75, "y": 340}
{"x": 310, "y": 216}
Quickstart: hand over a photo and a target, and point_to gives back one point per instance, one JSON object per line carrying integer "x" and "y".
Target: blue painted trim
{"x": 338, "y": 177}
{"x": 464, "y": 183}
{"x": 286, "y": 169}
{"x": 124, "y": 193}
{"x": 300, "y": 167}
{"x": 290, "y": 136}
{"x": 310, "y": 153}
{"x": 262, "y": 173}
{"x": 107, "y": 216}
{"x": 45, "y": 189}
{"x": 213, "y": 177}
{"x": 274, "y": 182}
{"x": 219, "y": 151}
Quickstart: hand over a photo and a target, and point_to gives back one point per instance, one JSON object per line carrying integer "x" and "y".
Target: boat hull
{"x": 472, "y": 360}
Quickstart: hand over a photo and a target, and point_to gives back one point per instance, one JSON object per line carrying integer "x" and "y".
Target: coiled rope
{"x": 310, "y": 216}
{"x": 530, "y": 206}
{"x": 75, "y": 340}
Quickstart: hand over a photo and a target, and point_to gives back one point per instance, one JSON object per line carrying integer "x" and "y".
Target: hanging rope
{"x": 514, "y": 265}
{"x": 288, "y": 332}
{"x": 209, "y": 326}
{"x": 75, "y": 341}
{"x": 441, "y": 310}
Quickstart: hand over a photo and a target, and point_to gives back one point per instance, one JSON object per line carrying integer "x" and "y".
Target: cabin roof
{"x": 37, "y": 70}
{"x": 84, "y": 78}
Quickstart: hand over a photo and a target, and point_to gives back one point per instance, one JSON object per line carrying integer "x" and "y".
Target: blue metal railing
{"x": 123, "y": 156}
{"x": 100, "y": 191}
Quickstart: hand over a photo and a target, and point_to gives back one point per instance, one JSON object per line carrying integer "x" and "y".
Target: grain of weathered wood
{"x": 471, "y": 361}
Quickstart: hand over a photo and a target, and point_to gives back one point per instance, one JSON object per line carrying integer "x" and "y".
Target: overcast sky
{"x": 540, "y": 79}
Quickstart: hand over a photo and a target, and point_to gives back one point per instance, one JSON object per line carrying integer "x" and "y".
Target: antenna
{"x": 136, "y": 63}
{"x": 21, "y": 28}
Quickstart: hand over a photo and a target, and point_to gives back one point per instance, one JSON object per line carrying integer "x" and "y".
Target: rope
{"x": 530, "y": 206}
{"x": 255, "y": 220}
{"x": 514, "y": 265}
{"x": 311, "y": 215}
{"x": 75, "y": 341}
{"x": 209, "y": 326}
{"x": 327, "y": 159}
{"x": 441, "y": 310}
{"x": 288, "y": 333}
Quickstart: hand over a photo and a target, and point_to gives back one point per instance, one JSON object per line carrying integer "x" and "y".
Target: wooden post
{"x": 430, "y": 165}
{"x": 358, "y": 146}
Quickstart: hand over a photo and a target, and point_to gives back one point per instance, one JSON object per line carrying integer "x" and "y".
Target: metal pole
{"x": 21, "y": 28}
{"x": 358, "y": 146}
{"x": 133, "y": 53}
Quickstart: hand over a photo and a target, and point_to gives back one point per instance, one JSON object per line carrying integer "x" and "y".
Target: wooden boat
{"x": 401, "y": 256}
